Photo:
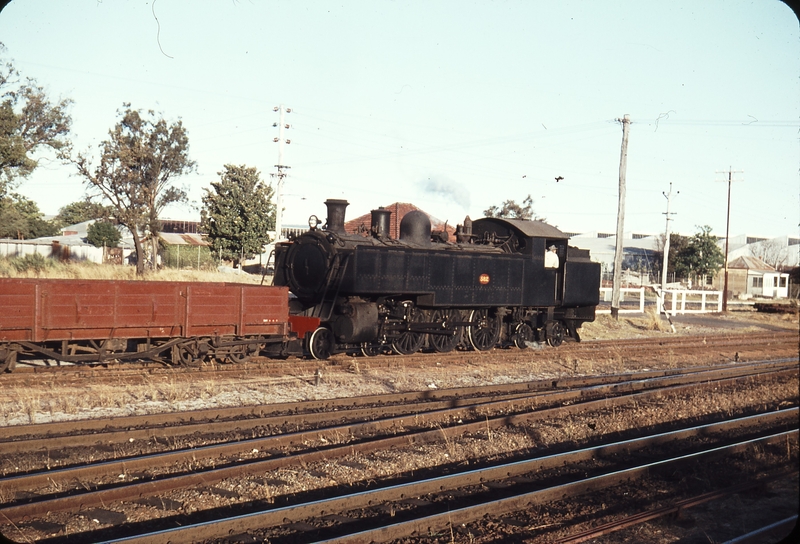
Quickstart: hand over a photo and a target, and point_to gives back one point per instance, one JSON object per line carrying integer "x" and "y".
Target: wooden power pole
{"x": 623, "y": 165}
{"x": 728, "y": 234}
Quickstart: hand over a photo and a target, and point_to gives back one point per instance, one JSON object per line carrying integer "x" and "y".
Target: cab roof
{"x": 533, "y": 229}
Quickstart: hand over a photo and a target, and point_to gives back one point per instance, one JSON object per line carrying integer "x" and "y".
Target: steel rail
{"x": 206, "y": 477}
{"x": 13, "y": 438}
{"x": 174, "y": 418}
{"x": 268, "y": 365}
{"x": 503, "y": 413}
{"x": 152, "y": 432}
{"x": 440, "y": 521}
{"x": 510, "y": 413}
{"x": 656, "y": 513}
{"x": 320, "y": 508}
{"x": 782, "y": 528}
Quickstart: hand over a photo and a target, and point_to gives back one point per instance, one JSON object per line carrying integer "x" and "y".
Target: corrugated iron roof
{"x": 750, "y": 263}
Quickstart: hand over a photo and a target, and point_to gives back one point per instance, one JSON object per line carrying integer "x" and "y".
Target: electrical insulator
{"x": 288, "y": 110}
{"x": 275, "y": 139}
{"x": 286, "y": 125}
{"x": 288, "y": 141}
{"x": 274, "y": 124}
{"x": 276, "y": 108}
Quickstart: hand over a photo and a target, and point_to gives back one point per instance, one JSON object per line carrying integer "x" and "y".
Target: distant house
{"x": 751, "y": 277}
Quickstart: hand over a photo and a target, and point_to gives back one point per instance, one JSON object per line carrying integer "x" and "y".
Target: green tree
{"x": 238, "y": 213}
{"x": 701, "y": 255}
{"x": 20, "y": 218}
{"x": 82, "y": 210}
{"x": 29, "y": 125}
{"x": 103, "y": 234}
{"x": 511, "y": 210}
{"x": 138, "y": 164}
{"x": 677, "y": 244}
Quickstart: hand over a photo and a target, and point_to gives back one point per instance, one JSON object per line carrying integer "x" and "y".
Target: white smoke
{"x": 447, "y": 188}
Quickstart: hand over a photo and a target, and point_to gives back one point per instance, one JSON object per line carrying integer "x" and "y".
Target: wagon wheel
{"x": 185, "y": 355}
{"x": 523, "y": 334}
{"x": 484, "y": 330}
{"x": 242, "y": 353}
{"x": 409, "y": 341}
{"x": 8, "y": 360}
{"x": 320, "y": 343}
{"x": 446, "y": 342}
{"x": 554, "y": 333}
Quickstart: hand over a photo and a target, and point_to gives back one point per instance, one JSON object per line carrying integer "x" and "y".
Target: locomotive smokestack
{"x": 336, "y": 209}
{"x": 381, "y": 219}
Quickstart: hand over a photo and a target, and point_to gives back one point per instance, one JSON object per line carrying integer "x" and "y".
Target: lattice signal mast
{"x": 280, "y": 174}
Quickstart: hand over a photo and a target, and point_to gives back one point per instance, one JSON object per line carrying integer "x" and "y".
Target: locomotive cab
{"x": 543, "y": 286}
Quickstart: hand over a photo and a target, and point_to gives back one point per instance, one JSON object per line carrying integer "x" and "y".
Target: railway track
{"x": 319, "y": 431}
{"x": 745, "y": 346}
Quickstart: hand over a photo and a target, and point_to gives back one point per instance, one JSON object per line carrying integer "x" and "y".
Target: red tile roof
{"x": 362, "y": 223}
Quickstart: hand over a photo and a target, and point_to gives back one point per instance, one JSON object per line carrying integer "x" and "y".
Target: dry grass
{"x": 93, "y": 271}
{"x": 653, "y": 321}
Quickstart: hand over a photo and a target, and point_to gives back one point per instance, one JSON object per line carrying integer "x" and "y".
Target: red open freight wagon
{"x": 84, "y": 321}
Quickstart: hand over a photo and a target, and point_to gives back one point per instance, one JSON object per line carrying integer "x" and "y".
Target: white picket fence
{"x": 678, "y": 301}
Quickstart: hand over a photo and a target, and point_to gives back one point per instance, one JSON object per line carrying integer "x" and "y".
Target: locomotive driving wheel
{"x": 409, "y": 341}
{"x": 554, "y": 333}
{"x": 523, "y": 334}
{"x": 371, "y": 350}
{"x": 320, "y": 344}
{"x": 484, "y": 329}
{"x": 450, "y": 337}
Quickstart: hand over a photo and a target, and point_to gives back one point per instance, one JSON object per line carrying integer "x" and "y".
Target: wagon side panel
{"x": 265, "y": 310}
{"x": 17, "y": 310}
{"x": 213, "y": 309}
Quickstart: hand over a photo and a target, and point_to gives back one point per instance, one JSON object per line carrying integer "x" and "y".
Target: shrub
{"x": 32, "y": 263}
{"x": 101, "y": 233}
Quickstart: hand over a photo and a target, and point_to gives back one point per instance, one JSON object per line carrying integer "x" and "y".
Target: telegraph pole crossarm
{"x": 280, "y": 166}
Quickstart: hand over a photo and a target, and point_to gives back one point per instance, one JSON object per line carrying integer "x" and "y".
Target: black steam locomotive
{"x": 488, "y": 288}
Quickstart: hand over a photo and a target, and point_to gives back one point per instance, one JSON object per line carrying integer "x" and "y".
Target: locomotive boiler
{"x": 489, "y": 287}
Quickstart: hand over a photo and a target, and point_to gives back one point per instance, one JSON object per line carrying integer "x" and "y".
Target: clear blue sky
{"x": 451, "y": 105}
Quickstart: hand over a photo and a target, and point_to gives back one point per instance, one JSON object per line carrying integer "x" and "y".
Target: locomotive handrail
{"x": 333, "y": 270}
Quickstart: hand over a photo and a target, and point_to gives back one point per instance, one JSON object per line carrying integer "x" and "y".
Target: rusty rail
{"x": 439, "y": 521}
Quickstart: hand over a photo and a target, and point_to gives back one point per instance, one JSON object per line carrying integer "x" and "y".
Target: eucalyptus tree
{"x": 510, "y": 209}
{"x": 138, "y": 165}
{"x": 30, "y": 125}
